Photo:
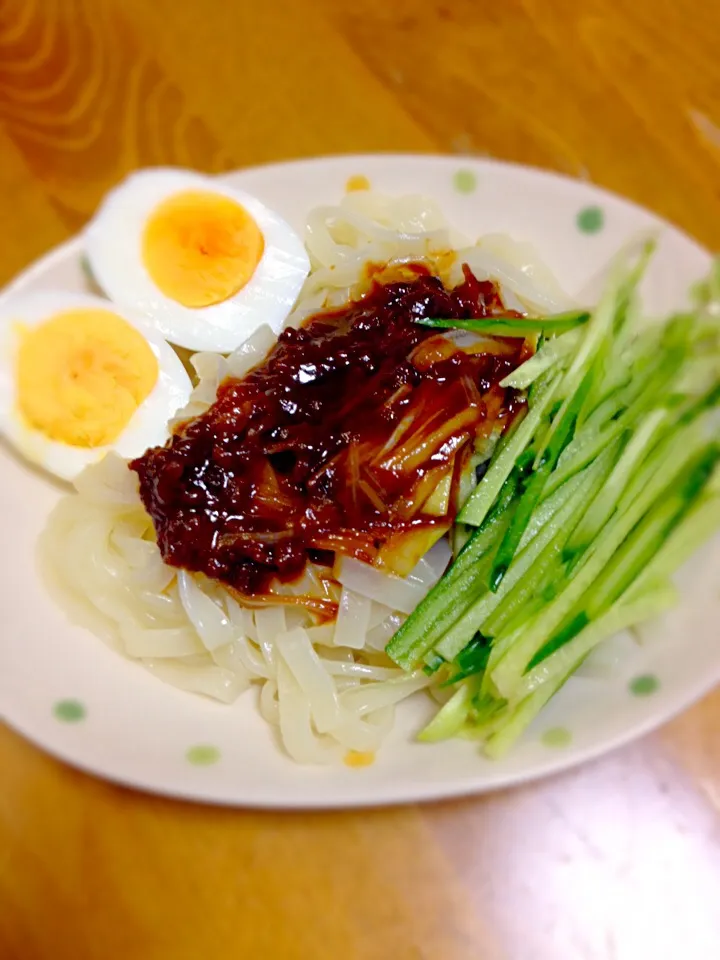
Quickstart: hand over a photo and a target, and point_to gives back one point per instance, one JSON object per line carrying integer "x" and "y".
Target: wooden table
{"x": 620, "y": 859}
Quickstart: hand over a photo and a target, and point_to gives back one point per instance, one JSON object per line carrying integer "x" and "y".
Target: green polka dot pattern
{"x": 557, "y": 737}
{"x": 202, "y": 755}
{"x": 590, "y": 220}
{"x": 644, "y": 685}
{"x": 69, "y": 711}
{"x": 464, "y": 181}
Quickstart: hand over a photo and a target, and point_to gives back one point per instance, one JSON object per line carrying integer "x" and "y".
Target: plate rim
{"x": 429, "y": 792}
{"x": 400, "y": 792}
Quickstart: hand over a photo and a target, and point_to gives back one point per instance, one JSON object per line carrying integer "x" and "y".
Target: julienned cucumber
{"x": 514, "y": 326}
{"x": 589, "y": 505}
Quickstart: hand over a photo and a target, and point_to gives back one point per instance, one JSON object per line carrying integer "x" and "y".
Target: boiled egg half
{"x": 80, "y": 377}
{"x": 207, "y": 264}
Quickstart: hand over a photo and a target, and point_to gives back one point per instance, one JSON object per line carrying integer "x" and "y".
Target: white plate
{"x": 65, "y": 690}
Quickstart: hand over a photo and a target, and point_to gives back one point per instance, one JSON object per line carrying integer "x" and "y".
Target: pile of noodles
{"x": 326, "y": 687}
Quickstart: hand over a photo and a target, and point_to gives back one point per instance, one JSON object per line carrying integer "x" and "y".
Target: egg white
{"x": 148, "y": 425}
{"x": 113, "y": 243}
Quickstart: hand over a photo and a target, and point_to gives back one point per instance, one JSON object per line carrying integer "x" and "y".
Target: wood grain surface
{"x": 620, "y": 859}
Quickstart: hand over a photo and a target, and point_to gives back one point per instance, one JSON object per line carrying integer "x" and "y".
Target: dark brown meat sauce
{"x": 329, "y": 444}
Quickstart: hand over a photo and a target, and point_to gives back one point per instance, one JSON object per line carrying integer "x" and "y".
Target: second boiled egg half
{"x": 207, "y": 264}
{"x": 80, "y": 377}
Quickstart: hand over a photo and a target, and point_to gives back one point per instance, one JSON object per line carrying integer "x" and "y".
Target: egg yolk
{"x": 201, "y": 248}
{"x": 81, "y": 375}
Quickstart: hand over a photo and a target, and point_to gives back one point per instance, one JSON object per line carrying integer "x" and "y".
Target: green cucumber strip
{"x": 634, "y": 555}
{"x": 510, "y": 668}
{"x": 544, "y": 515}
{"x": 605, "y": 502}
{"x": 433, "y": 665}
{"x": 469, "y": 622}
{"x": 597, "y": 385}
{"x": 608, "y": 395}
{"x": 621, "y": 410}
{"x": 411, "y": 643}
{"x": 484, "y": 708}
{"x": 452, "y": 715}
{"x": 536, "y": 487}
{"x": 565, "y": 428}
{"x": 528, "y": 597}
{"x": 553, "y": 352}
{"x": 628, "y": 288}
{"x": 471, "y": 660}
{"x": 606, "y": 412}
{"x": 706, "y": 292}
{"x": 514, "y": 534}
{"x": 488, "y": 533}
{"x": 645, "y": 401}
{"x": 518, "y": 718}
{"x": 436, "y": 612}
{"x": 619, "y": 617}
{"x": 549, "y": 506}
{"x": 474, "y": 654}
{"x": 625, "y": 363}
{"x": 472, "y": 620}
{"x": 500, "y": 681}
{"x": 521, "y": 609}
{"x": 513, "y": 326}
{"x": 645, "y": 396}
{"x": 579, "y": 370}
{"x": 698, "y": 406}
{"x": 515, "y": 629}
{"x": 550, "y": 561}
{"x": 694, "y": 435}
{"x": 659, "y": 503}
{"x": 619, "y": 291}
{"x": 487, "y": 713}
{"x": 484, "y": 495}
{"x": 460, "y": 534}
{"x": 561, "y": 429}
{"x": 569, "y": 630}
{"x": 581, "y": 452}
{"x": 700, "y": 523}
